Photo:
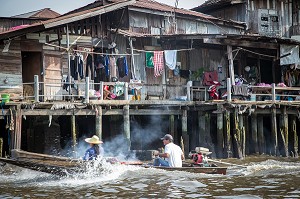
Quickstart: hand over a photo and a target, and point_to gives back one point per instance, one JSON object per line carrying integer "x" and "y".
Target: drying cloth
{"x": 149, "y": 59}
{"x": 171, "y": 58}
{"x": 113, "y": 66}
{"x": 209, "y": 77}
{"x": 158, "y": 61}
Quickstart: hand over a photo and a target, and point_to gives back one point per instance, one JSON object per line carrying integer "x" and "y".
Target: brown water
{"x": 260, "y": 178}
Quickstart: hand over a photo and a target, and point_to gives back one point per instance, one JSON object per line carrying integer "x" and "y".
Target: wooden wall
{"x": 11, "y": 68}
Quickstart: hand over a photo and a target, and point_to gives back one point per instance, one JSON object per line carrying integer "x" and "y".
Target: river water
{"x": 260, "y": 177}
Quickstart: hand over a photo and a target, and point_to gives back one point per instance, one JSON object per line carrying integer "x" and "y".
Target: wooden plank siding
{"x": 53, "y": 75}
{"x": 11, "y": 68}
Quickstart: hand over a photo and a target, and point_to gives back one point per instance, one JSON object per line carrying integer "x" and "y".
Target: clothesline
{"x": 97, "y": 53}
{"x": 150, "y": 51}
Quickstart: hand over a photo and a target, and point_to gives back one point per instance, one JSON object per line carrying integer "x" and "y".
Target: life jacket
{"x": 197, "y": 158}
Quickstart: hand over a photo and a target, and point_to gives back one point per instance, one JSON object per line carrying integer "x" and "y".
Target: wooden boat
{"x": 64, "y": 166}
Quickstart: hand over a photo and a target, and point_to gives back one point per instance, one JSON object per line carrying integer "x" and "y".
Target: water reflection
{"x": 258, "y": 179}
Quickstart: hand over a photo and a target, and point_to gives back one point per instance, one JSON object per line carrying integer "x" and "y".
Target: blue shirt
{"x": 91, "y": 153}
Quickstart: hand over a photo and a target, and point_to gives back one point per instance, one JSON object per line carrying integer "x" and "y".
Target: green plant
{"x": 198, "y": 74}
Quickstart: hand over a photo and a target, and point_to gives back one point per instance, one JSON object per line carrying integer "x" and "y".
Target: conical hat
{"x": 94, "y": 140}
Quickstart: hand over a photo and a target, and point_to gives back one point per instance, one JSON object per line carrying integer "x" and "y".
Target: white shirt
{"x": 175, "y": 153}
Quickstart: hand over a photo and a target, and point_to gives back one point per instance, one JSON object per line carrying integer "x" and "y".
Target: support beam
{"x": 201, "y": 127}
{"x": 254, "y": 133}
{"x": 294, "y": 131}
{"x": 237, "y": 135}
{"x": 231, "y": 69}
{"x": 185, "y": 135}
{"x": 242, "y": 134}
{"x": 73, "y": 131}
{"x": 284, "y": 131}
{"x": 274, "y": 137}
{"x": 127, "y": 126}
{"x": 228, "y": 135}
{"x": 98, "y": 122}
{"x": 172, "y": 125}
{"x": 18, "y": 128}
{"x": 220, "y": 136}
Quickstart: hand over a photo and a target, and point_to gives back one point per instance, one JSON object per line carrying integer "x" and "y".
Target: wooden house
{"x": 38, "y": 71}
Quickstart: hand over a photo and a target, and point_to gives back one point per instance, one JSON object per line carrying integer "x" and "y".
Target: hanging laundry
{"x": 171, "y": 58}
{"x": 158, "y": 61}
{"x": 106, "y": 65}
{"x": 149, "y": 59}
{"x": 80, "y": 65}
{"x": 113, "y": 66}
{"x": 89, "y": 69}
{"x": 122, "y": 67}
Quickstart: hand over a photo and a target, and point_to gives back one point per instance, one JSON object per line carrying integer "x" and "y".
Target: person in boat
{"x": 95, "y": 149}
{"x": 172, "y": 153}
{"x": 200, "y": 157}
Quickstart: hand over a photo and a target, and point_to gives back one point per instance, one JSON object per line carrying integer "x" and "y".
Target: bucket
{"x": 5, "y": 98}
{"x": 252, "y": 97}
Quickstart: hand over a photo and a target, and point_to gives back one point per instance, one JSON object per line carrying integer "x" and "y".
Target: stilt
{"x": 237, "y": 135}
{"x": 254, "y": 133}
{"x": 260, "y": 133}
{"x": 220, "y": 136}
{"x": 73, "y": 130}
{"x": 1, "y": 146}
{"x": 228, "y": 135}
{"x": 242, "y": 134}
{"x": 274, "y": 132}
{"x": 185, "y": 135}
{"x": 99, "y": 122}
{"x": 172, "y": 125}
{"x": 294, "y": 131}
{"x": 18, "y": 128}
{"x": 127, "y": 126}
{"x": 284, "y": 131}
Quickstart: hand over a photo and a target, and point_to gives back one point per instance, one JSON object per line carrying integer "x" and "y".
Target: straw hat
{"x": 93, "y": 140}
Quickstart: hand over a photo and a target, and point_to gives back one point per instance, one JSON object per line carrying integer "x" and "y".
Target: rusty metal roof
{"x": 212, "y": 4}
{"x": 45, "y": 13}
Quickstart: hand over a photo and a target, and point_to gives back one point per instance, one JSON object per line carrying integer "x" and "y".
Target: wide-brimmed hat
{"x": 203, "y": 150}
{"x": 167, "y": 137}
{"x": 93, "y": 140}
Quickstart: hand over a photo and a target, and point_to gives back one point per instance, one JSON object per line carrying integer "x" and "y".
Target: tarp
{"x": 289, "y": 54}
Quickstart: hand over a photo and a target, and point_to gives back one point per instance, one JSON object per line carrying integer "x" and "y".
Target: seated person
{"x": 200, "y": 157}
{"x": 108, "y": 92}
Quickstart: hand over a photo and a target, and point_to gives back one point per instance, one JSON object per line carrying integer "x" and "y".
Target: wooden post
{"x": 1, "y": 147}
{"x": 172, "y": 125}
{"x": 73, "y": 130}
{"x": 126, "y": 91}
{"x": 294, "y": 131}
{"x": 127, "y": 126}
{"x": 99, "y": 122}
{"x": 101, "y": 90}
{"x": 36, "y": 88}
{"x": 237, "y": 135}
{"x": 284, "y": 131}
{"x": 260, "y": 133}
{"x": 188, "y": 90}
{"x": 254, "y": 133}
{"x": 18, "y": 128}
{"x": 273, "y": 93}
{"x": 231, "y": 69}
{"x": 220, "y": 136}
{"x": 87, "y": 89}
{"x": 228, "y": 135}
{"x": 228, "y": 90}
{"x": 184, "y": 132}
{"x": 242, "y": 134}
{"x": 274, "y": 132}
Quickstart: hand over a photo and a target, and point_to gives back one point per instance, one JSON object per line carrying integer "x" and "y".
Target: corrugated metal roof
{"x": 210, "y": 4}
{"x": 45, "y": 13}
